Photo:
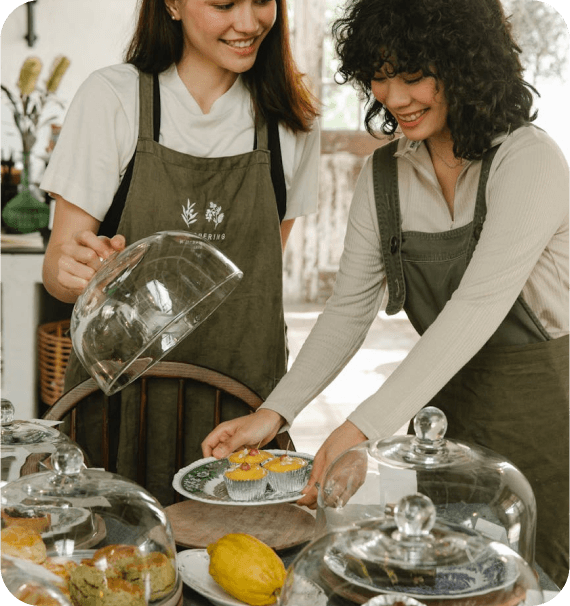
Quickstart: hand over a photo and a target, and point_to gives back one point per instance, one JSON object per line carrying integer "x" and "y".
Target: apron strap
{"x": 149, "y": 127}
{"x": 386, "y": 196}
{"x": 481, "y": 201}
{"x": 267, "y": 137}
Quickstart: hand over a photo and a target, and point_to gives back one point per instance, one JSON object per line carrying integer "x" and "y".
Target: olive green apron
{"x": 229, "y": 201}
{"x": 512, "y": 397}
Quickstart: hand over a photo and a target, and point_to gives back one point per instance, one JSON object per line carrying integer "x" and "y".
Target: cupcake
{"x": 246, "y": 482}
{"x": 253, "y": 456}
{"x": 286, "y": 473}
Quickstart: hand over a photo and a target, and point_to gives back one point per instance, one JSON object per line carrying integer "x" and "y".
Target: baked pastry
{"x": 29, "y": 518}
{"x": 156, "y": 570}
{"x": 286, "y": 473}
{"x": 62, "y": 568}
{"x": 246, "y": 482}
{"x": 36, "y": 595}
{"x": 24, "y": 543}
{"x": 249, "y": 455}
{"x": 89, "y": 586}
{"x": 114, "y": 558}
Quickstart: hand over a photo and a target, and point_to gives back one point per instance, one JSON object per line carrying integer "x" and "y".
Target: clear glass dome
{"x": 32, "y": 583}
{"x": 144, "y": 300}
{"x": 26, "y": 445}
{"x": 409, "y": 559}
{"x": 102, "y": 533}
{"x": 469, "y": 485}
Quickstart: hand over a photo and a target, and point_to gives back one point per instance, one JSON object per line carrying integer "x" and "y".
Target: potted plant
{"x": 31, "y": 111}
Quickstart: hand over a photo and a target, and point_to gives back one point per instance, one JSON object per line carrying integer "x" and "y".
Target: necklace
{"x": 432, "y": 149}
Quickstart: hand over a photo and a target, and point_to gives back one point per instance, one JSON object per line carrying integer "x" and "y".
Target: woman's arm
{"x": 74, "y": 251}
{"x": 526, "y": 224}
{"x": 336, "y": 337}
{"x": 286, "y": 227}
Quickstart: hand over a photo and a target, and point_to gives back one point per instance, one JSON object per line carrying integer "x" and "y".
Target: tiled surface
{"x": 387, "y": 343}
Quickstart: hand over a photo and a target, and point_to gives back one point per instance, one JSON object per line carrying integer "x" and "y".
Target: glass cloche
{"x": 32, "y": 583}
{"x": 469, "y": 485}
{"x": 106, "y": 537}
{"x": 144, "y": 300}
{"x": 27, "y": 445}
{"x": 409, "y": 559}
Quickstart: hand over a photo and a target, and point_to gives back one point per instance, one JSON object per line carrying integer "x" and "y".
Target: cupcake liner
{"x": 288, "y": 481}
{"x": 246, "y": 490}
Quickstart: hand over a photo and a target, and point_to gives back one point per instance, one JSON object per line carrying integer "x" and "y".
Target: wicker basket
{"x": 54, "y": 346}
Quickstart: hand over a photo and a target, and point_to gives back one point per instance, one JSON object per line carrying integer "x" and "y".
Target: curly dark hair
{"x": 466, "y": 45}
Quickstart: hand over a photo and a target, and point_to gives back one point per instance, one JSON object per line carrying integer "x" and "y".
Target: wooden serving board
{"x": 281, "y": 526}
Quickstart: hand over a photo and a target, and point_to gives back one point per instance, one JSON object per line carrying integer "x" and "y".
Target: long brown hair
{"x": 277, "y": 87}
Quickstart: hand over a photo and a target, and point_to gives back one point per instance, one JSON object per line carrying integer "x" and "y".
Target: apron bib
{"x": 229, "y": 201}
{"x": 512, "y": 396}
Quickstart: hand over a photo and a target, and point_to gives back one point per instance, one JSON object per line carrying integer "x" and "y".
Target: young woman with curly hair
{"x": 208, "y": 108}
{"x": 463, "y": 223}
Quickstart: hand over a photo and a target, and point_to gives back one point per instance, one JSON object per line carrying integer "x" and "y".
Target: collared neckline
{"x": 407, "y": 146}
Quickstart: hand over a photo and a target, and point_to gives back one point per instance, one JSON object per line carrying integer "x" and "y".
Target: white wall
{"x": 91, "y": 33}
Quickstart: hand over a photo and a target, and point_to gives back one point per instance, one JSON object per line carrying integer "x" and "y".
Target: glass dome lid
{"x": 410, "y": 558}
{"x": 27, "y": 445}
{"x": 17, "y": 433}
{"x": 104, "y": 534}
{"x": 144, "y": 300}
{"x": 469, "y": 485}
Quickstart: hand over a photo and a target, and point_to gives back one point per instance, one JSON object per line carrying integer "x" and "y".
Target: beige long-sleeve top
{"x": 523, "y": 247}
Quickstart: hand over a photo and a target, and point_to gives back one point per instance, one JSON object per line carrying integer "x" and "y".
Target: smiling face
{"x": 417, "y": 102}
{"x": 223, "y": 34}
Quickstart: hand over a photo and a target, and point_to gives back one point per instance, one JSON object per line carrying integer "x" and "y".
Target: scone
{"x": 32, "y": 519}
{"x": 157, "y": 570}
{"x": 89, "y": 586}
{"x": 37, "y": 596}
{"x": 249, "y": 455}
{"x": 286, "y": 473}
{"x": 114, "y": 558}
{"x": 24, "y": 543}
{"x": 62, "y": 568}
{"x": 246, "y": 482}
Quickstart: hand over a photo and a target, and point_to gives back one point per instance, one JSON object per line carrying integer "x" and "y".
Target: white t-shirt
{"x": 523, "y": 248}
{"x": 100, "y": 132}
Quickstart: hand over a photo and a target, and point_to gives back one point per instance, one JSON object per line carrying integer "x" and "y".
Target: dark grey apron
{"x": 230, "y": 201}
{"x": 512, "y": 396}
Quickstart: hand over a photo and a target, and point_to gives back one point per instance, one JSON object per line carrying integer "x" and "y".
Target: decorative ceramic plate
{"x": 193, "y": 566}
{"x": 203, "y": 481}
{"x": 450, "y": 583}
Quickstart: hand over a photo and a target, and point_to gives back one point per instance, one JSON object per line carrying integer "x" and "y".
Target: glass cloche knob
{"x": 414, "y": 516}
{"x": 67, "y": 460}
{"x": 7, "y": 412}
{"x": 430, "y": 424}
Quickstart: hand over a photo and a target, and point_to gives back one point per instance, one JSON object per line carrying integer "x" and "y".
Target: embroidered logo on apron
{"x": 188, "y": 213}
{"x": 213, "y": 216}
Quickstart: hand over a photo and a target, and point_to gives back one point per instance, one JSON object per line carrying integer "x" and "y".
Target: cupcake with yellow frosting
{"x": 253, "y": 456}
{"x": 287, "y": 473}
{"x": 246, "y": 482}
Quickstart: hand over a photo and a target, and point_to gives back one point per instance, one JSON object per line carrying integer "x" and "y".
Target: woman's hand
{"x": 74, "y": 251}
{"x": 82, "y": 256}
{"x": 342, "y": 438}
{"x": 251, "y": 430}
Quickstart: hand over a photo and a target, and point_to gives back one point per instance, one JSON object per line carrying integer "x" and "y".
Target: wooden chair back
{"x": 179, "y": 371}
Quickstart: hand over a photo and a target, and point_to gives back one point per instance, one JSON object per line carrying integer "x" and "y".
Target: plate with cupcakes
{"x": 246, "y": 477}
